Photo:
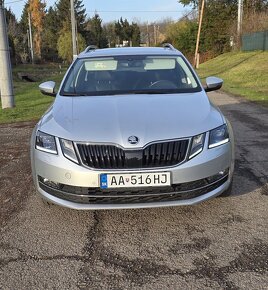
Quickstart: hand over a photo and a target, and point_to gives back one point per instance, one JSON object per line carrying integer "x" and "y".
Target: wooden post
{"x": 199, "y": 32}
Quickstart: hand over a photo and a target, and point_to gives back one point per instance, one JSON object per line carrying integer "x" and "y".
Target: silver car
{"x": 131, "y": 128}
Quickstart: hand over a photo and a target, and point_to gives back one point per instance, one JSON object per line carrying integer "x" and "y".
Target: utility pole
{"x": 239, "y": 21}
{"x": 148, "y": 35}
{"x": 76, "y": 38}
{"x": 155, "y": 36}
{"x": 196, "y": 57}
{"x": 30, "y": 37}
{"x": 6, "y": 82}
{"x": 28, "y": 40}
{"x": 73, "y": 29}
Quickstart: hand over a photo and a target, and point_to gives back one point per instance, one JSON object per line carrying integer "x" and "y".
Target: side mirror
{"x": 48, "y": 88}
{"x": 213, "y": 84}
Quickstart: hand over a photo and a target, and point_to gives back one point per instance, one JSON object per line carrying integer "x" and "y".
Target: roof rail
{"x": 90, "y": 47}
{"x": 168, "y": 45}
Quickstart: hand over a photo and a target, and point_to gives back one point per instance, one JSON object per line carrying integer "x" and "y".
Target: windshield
{"x": 130, "y": 75}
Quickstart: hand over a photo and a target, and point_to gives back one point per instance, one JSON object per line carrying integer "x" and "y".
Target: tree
{"x": 50, "y": 35}
{"x": 23, "y": 28}
{"x": 17, "y": 40}
{"x": 182, "y": 35}
{"x": 123, "y": 30}
{"x": 127, "y": 32}
{"x": 119, "y": 31}
{"x": 37, "y": 14}
{"x": 255, "y": 6}
{"x": 24, "y": 18}
{"x": 12, "y": 26}
{"x": 135, "y": 34}
{"x": 64, "y": 45}
{"x": 94, "y": 32}
{"x": 109, "y": 31}
{"x": 64, "y": 16}
{"x": 147, "y": 31}
{"x": 219, "y": 16}
{"x": 189, "y": 2}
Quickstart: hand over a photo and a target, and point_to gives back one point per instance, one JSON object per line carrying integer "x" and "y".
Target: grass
{"x": 30, "y": 103}
{"x": 244, "y": 74}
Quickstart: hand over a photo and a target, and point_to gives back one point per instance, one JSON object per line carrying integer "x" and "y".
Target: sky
{"x": 130, "y": 9}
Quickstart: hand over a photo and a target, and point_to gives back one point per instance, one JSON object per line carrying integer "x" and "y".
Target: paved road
{"x": 220, "y": 244}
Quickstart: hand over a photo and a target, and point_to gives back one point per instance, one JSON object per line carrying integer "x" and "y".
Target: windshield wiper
{"x": 73, "y": 94}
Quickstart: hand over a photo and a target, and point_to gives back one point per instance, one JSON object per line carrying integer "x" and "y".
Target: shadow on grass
{"x": 263, "y": 103}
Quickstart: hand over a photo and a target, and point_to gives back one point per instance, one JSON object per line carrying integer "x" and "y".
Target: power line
{"x": 15, "y": 1}
{"x": 135, "y": 11}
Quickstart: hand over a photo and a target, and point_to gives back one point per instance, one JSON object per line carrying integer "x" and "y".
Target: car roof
{"x": 129, "y": 51}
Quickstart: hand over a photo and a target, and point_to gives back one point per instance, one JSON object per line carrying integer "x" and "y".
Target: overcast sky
{"x": 106, "y": 8}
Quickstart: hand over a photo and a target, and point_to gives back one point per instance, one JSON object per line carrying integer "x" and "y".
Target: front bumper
{"x": 58, "y": 169}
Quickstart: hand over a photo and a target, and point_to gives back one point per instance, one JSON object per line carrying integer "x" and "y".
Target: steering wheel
{"x": 163, "y": 84}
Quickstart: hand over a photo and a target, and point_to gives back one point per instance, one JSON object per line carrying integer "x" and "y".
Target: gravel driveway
{"x": 219, "y": 244}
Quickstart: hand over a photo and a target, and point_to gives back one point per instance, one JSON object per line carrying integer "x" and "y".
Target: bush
{"x": 65, "y": 46}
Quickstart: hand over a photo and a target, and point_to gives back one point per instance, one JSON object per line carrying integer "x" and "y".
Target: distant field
{"x": 244, "y": 74}
{"x": 30, "y": 103}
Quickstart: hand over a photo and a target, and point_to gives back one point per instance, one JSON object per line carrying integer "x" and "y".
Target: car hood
{"x": 113, "y": 119}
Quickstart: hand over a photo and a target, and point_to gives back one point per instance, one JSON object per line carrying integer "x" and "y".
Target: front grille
{"x": 176, "y": 192}
{"x": 162, "y": 154}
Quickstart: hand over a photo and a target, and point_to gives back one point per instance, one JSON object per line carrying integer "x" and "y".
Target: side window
{"x": 71, "y": 81}
{"x": 183, "y": 79}
{"x": 81, "y": 76}
{"x": 188, "y": 78}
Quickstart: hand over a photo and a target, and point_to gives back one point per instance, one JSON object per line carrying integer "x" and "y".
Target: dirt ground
{"x": 15, "y": 169}
{"x": 219, "y": 244}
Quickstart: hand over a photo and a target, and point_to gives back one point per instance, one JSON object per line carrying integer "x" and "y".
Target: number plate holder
{"x": 130, "y": 180}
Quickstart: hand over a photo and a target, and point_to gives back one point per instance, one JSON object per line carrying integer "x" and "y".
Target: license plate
{"x": 134, "y": 180}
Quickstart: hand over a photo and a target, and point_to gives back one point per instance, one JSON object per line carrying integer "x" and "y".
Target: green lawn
{"x": 30, "y": 103}
{"x": 244, "y": 74}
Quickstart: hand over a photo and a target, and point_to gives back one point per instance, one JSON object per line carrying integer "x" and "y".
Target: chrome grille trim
{"x": 156, "y": 155}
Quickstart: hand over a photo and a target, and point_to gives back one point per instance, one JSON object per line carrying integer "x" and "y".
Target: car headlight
{"x": 45, "y": 142}
{"x": 218, "y": 136}
{"x": 197, "y": 145}
{"x": 68, "y": 150}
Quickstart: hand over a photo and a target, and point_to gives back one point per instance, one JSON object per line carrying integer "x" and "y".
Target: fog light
{"x": 49, "y": 183}
{"x": 218, "y": 176}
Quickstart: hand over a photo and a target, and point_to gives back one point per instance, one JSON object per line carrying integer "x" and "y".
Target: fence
{"x": 255, "y": 41}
